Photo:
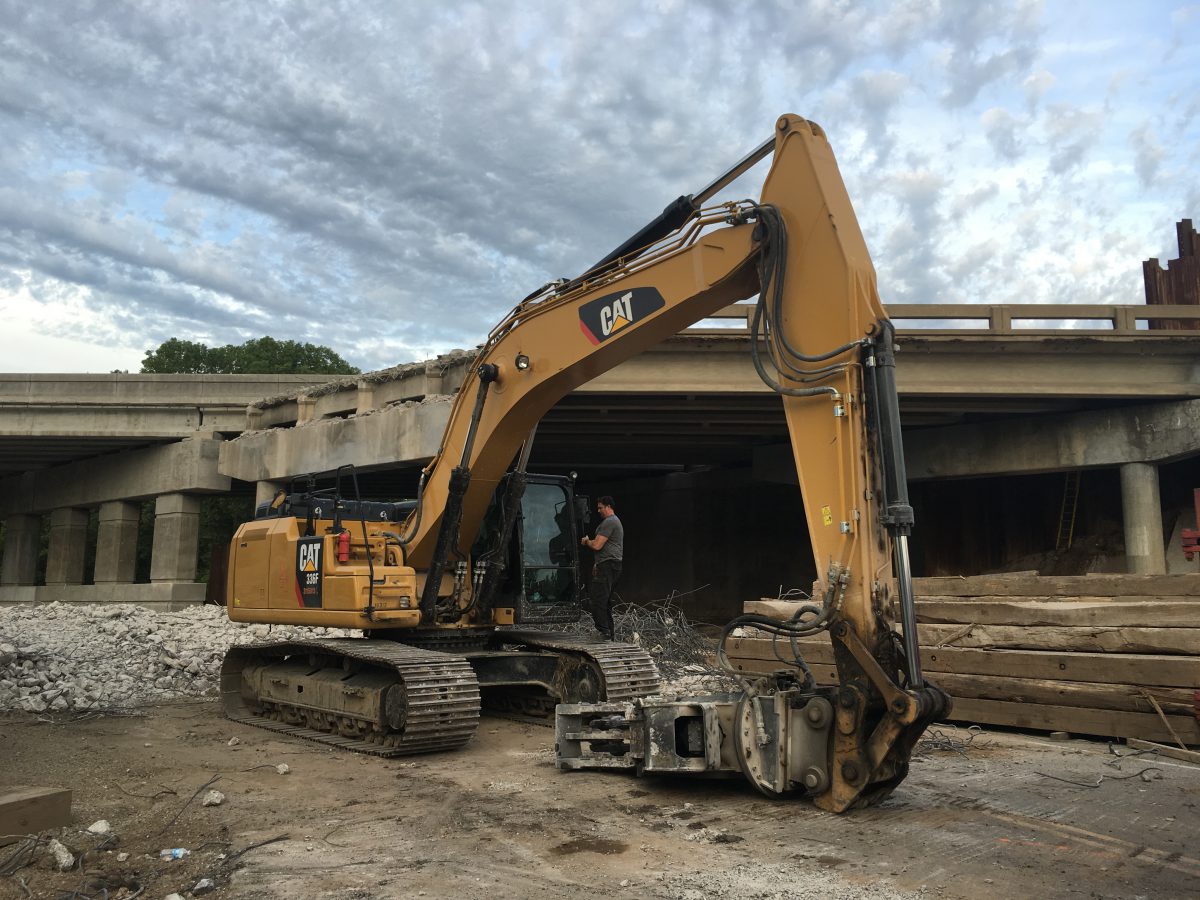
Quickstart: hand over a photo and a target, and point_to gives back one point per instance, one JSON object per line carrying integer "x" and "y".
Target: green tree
{"x": 259, "y": 356}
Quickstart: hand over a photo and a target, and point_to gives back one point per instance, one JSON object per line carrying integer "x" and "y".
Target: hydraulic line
{"x": 898, "y": 514}
{"x": 369, "y": 609}
{"x": 772, "y": 274}
{"x": 460, "y": 479}
{"x": 405, "y": 540}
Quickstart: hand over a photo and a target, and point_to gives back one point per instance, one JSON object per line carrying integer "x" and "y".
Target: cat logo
{"x": 617, "y": 316}
{"x": 613, "y": 313}
{"x": 308, "y": 571}
{"x": 310, "y": 557}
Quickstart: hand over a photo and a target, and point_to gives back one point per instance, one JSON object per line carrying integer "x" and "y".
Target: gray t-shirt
{"x": 614, "y": 547}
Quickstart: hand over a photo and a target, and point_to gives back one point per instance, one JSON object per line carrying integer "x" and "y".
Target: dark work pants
{"x": 604, "y": 580}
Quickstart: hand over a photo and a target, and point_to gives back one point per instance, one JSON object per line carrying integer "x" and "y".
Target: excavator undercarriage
{"x": 392, "y": 699}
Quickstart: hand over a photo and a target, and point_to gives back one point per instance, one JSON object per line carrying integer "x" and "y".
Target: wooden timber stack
{"x": 1105, "y": 655}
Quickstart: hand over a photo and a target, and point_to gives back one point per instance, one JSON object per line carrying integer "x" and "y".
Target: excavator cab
{"x": 542, "y": 581}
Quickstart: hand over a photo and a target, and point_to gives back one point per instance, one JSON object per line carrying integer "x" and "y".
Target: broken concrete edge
{"x": 394, "y": 404}
{"x": 406, "y": 432}
{"x": 380, "y": 376}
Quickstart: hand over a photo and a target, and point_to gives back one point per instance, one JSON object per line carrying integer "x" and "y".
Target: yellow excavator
{"x": 446, "y": 586}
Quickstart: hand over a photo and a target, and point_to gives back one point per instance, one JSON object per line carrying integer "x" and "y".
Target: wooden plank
{"x": 823, "y": 673}
{"x": 1163, "y": 750}
{"x": 1149, "y": 613}
{"x": 1061, "y": 585}
{"x": 1050, "y": 598}
{"x": 1174, "y": 701}
{"x": 28, "y": 810}
{"x": 775, "y": 609}
{"x": 1099, "y": 722}
{"x": 814, "y": 650}
{"x": 1100, "y": 668}
{"x": 1094, "y": 639}
{"x": 1017, "y": 690}
{"x": 1045, "y": 717}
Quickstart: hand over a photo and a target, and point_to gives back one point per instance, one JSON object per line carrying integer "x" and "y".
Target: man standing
{"x": 609, "y": 544}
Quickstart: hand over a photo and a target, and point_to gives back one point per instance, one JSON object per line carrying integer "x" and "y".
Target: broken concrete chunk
{"x": 283, "y": 768}
{"x": 64, "y": 859}
{"x": 214, "y": 798}
{"x": 203, "y": 886}
{"x": 100, "y": 826}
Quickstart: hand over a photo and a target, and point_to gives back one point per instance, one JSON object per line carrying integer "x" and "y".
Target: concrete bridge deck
{"x": 47, "y": 420}
{"x": 696, "y": 398}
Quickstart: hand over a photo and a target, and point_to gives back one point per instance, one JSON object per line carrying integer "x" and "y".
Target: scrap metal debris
{"x": 22, "y": 854}
{"x": 1148, "y": 774}
{"x": 949, "y": 739}
{"x": 684, "y": 651}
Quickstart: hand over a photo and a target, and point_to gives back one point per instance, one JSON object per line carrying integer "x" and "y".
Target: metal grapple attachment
{"x": 778, "y": 739}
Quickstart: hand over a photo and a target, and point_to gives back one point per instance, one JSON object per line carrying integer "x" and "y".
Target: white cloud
{"x": 1150, "y": 154}
{"x": 1036, "y": 85}
{"x": 1001, "y": 128}
{"x": 389, "y": 178}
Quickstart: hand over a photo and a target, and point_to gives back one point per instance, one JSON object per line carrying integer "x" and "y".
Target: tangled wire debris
{"x": 1148, "y": 774}
{"x": 22, "y": 852}
{"x": 684, "y": 651}
{"x": 938, "y": 740}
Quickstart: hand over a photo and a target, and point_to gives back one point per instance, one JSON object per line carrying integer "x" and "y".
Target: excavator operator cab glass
{"x": 550, "y": 560}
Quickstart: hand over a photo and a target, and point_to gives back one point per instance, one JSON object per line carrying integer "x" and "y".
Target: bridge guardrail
{"x": 1138, "y": 320}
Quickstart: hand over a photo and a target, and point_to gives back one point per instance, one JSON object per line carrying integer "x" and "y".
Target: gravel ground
{"x": 62, "y": 657}
{"x": 58, "y": 656}
{"x": 1003, "y": 816}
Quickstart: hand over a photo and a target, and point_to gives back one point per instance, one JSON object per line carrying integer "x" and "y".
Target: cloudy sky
{"x": 389, "y": 177}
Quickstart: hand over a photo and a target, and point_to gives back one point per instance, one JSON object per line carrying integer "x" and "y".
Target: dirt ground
{"x": 498, "y": 820}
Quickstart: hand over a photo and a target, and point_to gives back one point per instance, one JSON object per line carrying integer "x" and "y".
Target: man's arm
{"x": 597, "y": 542}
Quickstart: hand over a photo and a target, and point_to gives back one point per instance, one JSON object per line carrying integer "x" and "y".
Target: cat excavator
{"x": 443, "y": 588}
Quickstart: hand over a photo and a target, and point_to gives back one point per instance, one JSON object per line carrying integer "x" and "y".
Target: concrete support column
{"x": 176, "y": 538}
{"x": 366, "y": 397}
{"x": 306, "y": 409}
{"x": 116, "y": 542}
{"x": 68, "y": 543}
{"x": 22, "y": 541}
{"x": 1143, "y": 520}
{"x": 265, "y": 491}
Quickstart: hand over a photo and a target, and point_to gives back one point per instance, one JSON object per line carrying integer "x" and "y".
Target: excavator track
{"x": 439, "y": 709}
{"x": 626, "y": 670}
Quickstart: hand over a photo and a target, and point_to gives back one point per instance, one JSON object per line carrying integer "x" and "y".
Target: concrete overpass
{"x": 70, "y": 443}
{"x": 984, "y": 391}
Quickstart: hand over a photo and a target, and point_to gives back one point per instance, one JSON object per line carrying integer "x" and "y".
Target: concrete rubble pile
{"x": 61, "y": 656}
